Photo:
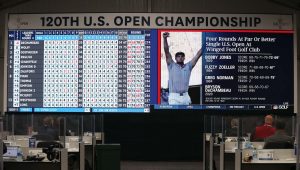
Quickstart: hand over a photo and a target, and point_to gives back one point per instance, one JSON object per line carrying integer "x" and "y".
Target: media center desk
{"x": 284, "y": 159}
{"x": 271, "y": 165}
{"x": 106, "y": 156}
{"x": 224, "y": 153}
{"x": 60, "y": 164}
{"x": 70, "y": 142}
{"x": 31, "y": 165}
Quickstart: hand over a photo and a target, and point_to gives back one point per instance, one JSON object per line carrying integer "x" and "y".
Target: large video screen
{"x": 129, "y": 62}
{"x": 78, "y": 70}
{"x": 226, "y": 69}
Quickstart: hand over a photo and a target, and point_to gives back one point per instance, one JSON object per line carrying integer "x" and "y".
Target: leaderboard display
{"x": 79, "y": 70}
{"x": 129, "y": 62}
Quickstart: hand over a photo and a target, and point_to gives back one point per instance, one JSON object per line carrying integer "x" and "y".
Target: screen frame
{"x": 294, "y": 21}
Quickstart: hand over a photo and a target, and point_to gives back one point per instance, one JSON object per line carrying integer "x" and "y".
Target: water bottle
{"x": 248, "y": 145}
{"x": 32, "y": 142}
{"x": 295, "y": 148}
{"x": 20, "y": 155}
{"x": 254, "y": 154}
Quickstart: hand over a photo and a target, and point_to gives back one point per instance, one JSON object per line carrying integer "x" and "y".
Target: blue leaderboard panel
{"x": 78, "y": 70}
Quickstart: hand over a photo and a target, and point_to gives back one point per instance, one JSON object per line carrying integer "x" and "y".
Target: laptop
{"x": 12, "y": 153}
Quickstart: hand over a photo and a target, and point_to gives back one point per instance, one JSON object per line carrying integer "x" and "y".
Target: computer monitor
{"x": 12, "y": 152}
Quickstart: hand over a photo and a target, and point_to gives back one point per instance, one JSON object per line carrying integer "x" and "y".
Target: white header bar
{"x": 150, "y": 20}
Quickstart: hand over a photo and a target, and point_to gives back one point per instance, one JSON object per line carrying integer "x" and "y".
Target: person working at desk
{"x": 265, "y": 130}
{"x": 280, "y": 140}
{"x": 233, "y": 131}
{"x": 47, "y": 131}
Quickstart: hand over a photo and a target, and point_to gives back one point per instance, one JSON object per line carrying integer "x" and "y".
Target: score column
{"x": 16, "y": 84}
{"x": 122, "y": 69}
{"x": 80, "y": 69}
{"x": 147, "y": 70}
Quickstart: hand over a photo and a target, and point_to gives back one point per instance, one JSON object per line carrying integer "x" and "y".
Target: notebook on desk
{"x": 12, "y": 153}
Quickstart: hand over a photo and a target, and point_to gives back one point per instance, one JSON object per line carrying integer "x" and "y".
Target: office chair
{"x": 47, "y": 144}
{"x": 258, "y": 140}
{"x": 72, "y": 158}
{"x": 43, "y": 137}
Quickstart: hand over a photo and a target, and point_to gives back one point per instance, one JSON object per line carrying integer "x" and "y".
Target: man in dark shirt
{"x": 280, "y": 140}
{"x": 233, "y": 130}
{"x": 46, "y": 131}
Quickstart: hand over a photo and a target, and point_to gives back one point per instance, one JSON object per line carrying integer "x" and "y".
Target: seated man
{"x": 47, "y": 131}
{"x": 265, "y": 130}
{"x": 233, "y": 130}
{"x": 280, "y": 140}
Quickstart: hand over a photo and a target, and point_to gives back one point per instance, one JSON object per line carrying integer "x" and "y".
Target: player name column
{"x": 31, "y": 70}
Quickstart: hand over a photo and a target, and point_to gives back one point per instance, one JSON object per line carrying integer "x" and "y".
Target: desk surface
{"x": 282, "y": 161}
{"x": 32, "y": 165}
{"x": 230, "y": 151}
{"x": 44, "y": 161}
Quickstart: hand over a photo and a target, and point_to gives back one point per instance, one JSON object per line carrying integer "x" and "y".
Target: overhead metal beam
{"x": 11, "y": 4}
{"x": 293, "y": 4}
{"x": 149, "y": 5}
